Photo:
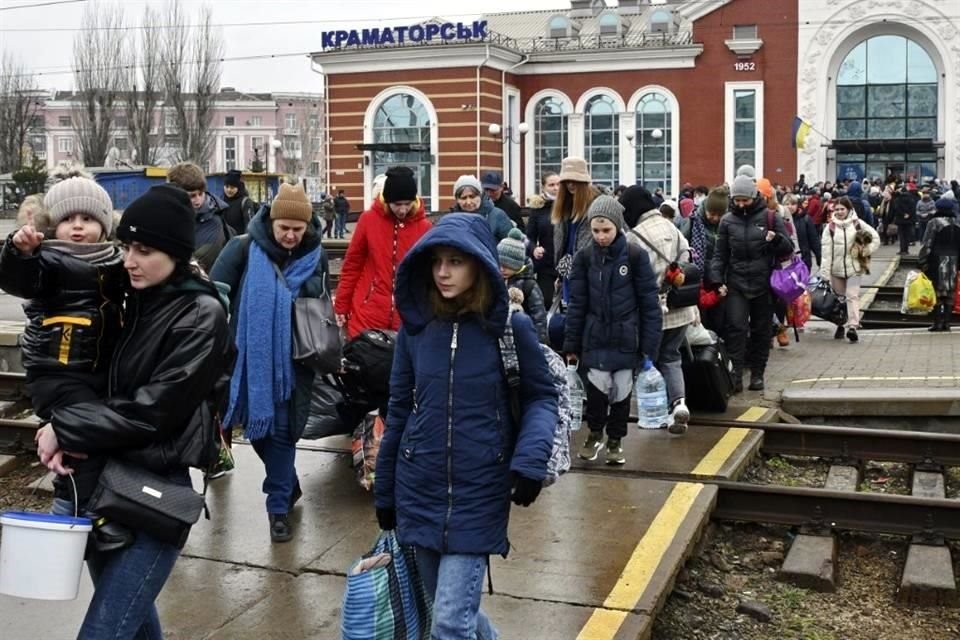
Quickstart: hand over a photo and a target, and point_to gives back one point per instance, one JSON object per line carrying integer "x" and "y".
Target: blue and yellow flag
{"x": 800, "y": 131}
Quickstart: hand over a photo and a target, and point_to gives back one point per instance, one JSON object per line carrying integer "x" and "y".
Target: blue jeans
{"x": 126, "y": 584}
{"x": 278, "y": 453}
{"x": 341, "y": 227}
{"x": 669, "y": 362}
{"x": 455, "y": 581}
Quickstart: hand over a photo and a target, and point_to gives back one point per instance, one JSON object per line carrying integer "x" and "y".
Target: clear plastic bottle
{"x": 653, "y": 410}
{"x": 577, "y": 393}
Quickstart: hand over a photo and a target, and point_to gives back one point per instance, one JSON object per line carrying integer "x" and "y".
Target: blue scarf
{"x": 263, "y": 376}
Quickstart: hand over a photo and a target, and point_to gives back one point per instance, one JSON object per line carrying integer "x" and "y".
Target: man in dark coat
{"x": 492, "y": 183}
{"x": 342, "y": 206}
{"x": 747, "y": 241}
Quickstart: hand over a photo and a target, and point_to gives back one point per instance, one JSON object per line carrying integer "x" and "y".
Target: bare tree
{"x": 143, "y": 85}
{"x": 19, "y": 106}
{"x": 98, "y": 78}
{"x": 192, "y": 66}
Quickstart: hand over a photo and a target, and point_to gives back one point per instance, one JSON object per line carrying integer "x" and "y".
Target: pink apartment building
{"x": 245, "y": 127}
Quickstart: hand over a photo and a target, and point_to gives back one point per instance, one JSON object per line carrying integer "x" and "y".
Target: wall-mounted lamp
{"x": 656, "y": 134}
{"x": 508, "y": 134}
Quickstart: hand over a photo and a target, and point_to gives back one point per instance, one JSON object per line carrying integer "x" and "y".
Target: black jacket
{"x": 239, "y": 212}
{"x": 540, "y": 233}
{"x": 614, "y": 315}
{"x": 807, "y": 236}
{"x": 166, "y": 380}
{"x": 526, "y": 281}
{"x": 72, "y": 308}
{"x": 341, "y": 205}
{"x": 904, "y": 208}
{"x": 743, "y": 258}
{"x": 510, "y": 207}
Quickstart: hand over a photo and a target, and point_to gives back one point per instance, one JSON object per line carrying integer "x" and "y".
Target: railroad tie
{"x": 811, "y": 562}
{"x": 928, "y": 578}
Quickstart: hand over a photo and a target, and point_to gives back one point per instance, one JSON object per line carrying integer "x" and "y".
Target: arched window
{"x": 550, "y": 135}
{"x": 601, "y": 140}
{"x": 887, "y": 90}
{"x": 559, "y": 27}
{"x": 654, "y": 140}
{"x": 660, "y": 21}
{"x": 609, "y": 24}
{"x": 402, "y": 122}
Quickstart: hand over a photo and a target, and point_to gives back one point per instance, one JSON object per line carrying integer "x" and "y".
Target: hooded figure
{"x": 938, "y": 258}
{"x": 451, "y": 452}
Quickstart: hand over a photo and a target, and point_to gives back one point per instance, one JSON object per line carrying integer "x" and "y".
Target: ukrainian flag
{"x": 800, "y": 131}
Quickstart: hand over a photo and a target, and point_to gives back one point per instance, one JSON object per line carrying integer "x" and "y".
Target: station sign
{"x": 428, "y": 32}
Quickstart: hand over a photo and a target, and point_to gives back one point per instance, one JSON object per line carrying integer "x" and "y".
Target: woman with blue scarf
{"x": 277, "y": 261}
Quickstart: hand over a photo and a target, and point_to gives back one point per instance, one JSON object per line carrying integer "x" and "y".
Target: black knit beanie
{"x": 401, "y": 185}
{"x": 163, "y": 219}
{"x": 636, "y": 201}
{"x": 233, "y": 178}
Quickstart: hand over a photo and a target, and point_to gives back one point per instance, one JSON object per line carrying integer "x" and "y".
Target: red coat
{"x": 379, "y": 243}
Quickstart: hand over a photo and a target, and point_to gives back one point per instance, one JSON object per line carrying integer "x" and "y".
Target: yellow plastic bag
{"x": 919, "y": 296}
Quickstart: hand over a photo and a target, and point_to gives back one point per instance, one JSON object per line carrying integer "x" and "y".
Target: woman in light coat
{"x": 840, "y": 262}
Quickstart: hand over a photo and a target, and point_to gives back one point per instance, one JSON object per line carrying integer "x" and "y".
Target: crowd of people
{"x": 143, "y": 328}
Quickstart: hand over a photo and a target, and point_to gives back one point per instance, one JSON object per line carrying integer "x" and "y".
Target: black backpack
{"x": 367, "y": 361}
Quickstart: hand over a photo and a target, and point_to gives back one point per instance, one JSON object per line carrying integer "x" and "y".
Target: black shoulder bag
{"x": 688, "y": 293}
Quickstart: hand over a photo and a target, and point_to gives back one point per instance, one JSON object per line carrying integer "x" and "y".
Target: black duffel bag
{"x": 367, "y": 361}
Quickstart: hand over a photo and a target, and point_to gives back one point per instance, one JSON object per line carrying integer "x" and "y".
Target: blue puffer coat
{"x": 499, "y": 221}
{"x": 614, "y": 316}
{"x": 450, "y": 450}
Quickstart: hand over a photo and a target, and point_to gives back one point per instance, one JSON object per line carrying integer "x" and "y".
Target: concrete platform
{"x": 595, "y": 554}
{"x": 874, "y": 401}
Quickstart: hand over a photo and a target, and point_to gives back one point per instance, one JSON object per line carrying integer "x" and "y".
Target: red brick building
{"x": 659, "y": 94}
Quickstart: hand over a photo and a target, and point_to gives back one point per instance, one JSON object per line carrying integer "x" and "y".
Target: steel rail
{"x": 880, "y": 445}
{"x": 842, "y": 510}
{"x": 892, "y": 319}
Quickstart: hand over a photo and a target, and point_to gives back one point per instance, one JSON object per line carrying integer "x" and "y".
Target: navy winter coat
{"x": 526, "y": 281}
{"x": 499, "y": 223}
{"x": 614, "y": 316}
{"x": 450, "y": 449}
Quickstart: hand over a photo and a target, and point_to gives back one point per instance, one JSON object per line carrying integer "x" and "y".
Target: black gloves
{"x": 525, "y": 491}
{"x": 387, "y": 518}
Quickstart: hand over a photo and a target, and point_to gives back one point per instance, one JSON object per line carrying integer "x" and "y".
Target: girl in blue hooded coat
{"x": 451, "y": 458}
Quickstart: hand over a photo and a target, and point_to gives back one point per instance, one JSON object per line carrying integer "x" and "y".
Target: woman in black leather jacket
{"x": 164, "y": 387}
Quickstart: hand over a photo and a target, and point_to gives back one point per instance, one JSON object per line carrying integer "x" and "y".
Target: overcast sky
{"x": 50, "y": 52}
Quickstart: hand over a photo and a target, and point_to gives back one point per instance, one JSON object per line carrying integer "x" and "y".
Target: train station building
{"x": 648, "y": 92}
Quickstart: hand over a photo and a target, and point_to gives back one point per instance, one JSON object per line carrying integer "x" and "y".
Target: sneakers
{"x": 852, "y": 335}
{"x": 615, "y": 452}
{"x": 280, "y": 530}
{"x": 782, "y": 338}
{"x": 591, "y": 448}
{"x": 225, "y": 464}
{"x": 838, "y": 334}
{"x": 756, "y": 381}
{"x": 679, "y": 418}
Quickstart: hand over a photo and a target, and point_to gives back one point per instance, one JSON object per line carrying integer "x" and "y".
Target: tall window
{"x": 256, "y": 142}
{"x": 745, "y": 127}
{"x": 887, "y": 89}
{"x": 229, "y": 153}
{"x": 256, "y": 121}
{"x": 654, "y": 139}
{"x": 65, "y": 145}
{"x": 290, "y": 121}
{"x": 550, "y": 136}
{"x": 601, "y": 140}
{"x": 402, "y": 122}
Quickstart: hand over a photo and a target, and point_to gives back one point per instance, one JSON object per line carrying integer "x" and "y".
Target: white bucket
{"x": 41, "y": 555}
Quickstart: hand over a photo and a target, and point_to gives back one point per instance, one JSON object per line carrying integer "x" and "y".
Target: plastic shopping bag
{"x": 366, "y": 446}
{"x": 799, "y": 311}
{"x": 385, "y": 598}
{"x": 919, "y": 296}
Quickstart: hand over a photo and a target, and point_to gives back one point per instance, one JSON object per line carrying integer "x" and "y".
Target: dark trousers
{"x": 715, "y": 319}
{"x": 547, "y": 278}
{"x": 601, "y": 413}
{"x": 328, "y": 229}
{"x": 753, "y": 314}
{"x": 906, "y": 236}
{"x": 943, "y": 311}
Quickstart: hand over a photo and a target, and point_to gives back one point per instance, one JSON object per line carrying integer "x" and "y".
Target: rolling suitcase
{"x": 707, "y": 376}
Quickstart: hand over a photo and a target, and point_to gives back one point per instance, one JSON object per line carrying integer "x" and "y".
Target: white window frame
{"x": 729, "y": 117}
{"x": 744, "y": 32}
{"x": 65, "y": 144}
{"x": 256, "y": 121}
{"x": 227, "y": 161}
{"x": 256, "y": 142}
{"x": 631, "y": 110}
{"x": 289, "y": 121}
{"x": 531, "y": 181}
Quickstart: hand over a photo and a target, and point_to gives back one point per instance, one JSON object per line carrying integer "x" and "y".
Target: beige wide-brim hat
{"x": 574, "y": 169}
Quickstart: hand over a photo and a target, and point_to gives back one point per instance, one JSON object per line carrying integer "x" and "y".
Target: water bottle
{"x": 577, "y": 392}
{"x": 653, "y": 410}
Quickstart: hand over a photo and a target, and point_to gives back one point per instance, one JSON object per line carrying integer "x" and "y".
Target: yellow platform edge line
{"x": 711, "y": 463}
{"x": 605, "y": 622}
